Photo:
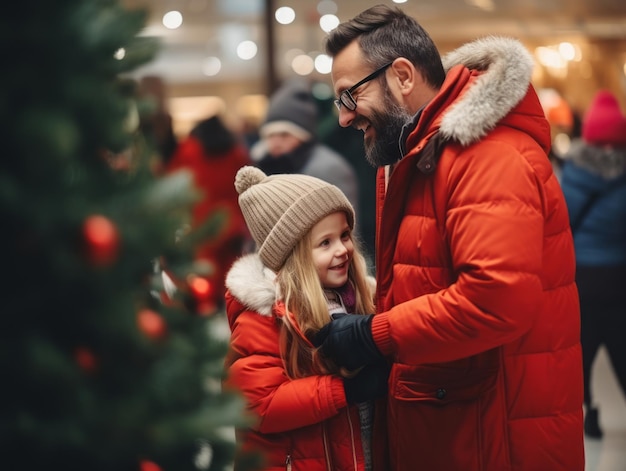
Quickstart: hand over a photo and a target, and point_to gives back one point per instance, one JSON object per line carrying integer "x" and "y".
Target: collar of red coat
{"x": 486, "y": 79}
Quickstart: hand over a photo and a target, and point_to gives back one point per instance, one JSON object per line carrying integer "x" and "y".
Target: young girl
{"x": 307, "y": 415}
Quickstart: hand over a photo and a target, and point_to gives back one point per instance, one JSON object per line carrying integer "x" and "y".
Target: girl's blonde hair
{"x": 307, "y": 309}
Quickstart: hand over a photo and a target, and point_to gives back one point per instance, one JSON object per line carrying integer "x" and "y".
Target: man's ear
{"x": 404, "y": 76}
{"x": 408, "y": 86}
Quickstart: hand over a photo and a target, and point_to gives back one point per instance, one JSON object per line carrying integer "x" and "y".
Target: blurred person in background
{"x": 214, "y": 154}
{"x": 594, "y": 183}
{"x": 156, "y": 121}
{"x": 349, "y": 143}
{"x": 289, "y": 141}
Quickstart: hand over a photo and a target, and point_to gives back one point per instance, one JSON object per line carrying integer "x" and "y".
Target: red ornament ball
{"x": 85, "y": 359}
{"x": 151, "y": 323}
{"x": 201, "y": 288}
{"x": 101, "y": 240}
{"x": 147, "y": 465}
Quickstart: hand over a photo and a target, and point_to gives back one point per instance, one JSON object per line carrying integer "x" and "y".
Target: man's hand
{"x": 347, "y": 340}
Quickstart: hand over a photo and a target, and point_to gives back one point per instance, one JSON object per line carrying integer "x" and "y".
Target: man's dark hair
{"x": 385, "y": 33}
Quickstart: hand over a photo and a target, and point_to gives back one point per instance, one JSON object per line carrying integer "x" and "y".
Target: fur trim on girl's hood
{"x": 253, "y": 284}
{"x": 508, "y": 66}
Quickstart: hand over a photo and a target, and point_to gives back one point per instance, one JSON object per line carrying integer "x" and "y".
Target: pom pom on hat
{"x": 604, "y": 123}
{"x": 248, "y": 176}
{"x": 281, "y": 209}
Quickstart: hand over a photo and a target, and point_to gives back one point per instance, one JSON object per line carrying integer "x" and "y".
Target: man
{"x": 476, "y": 300}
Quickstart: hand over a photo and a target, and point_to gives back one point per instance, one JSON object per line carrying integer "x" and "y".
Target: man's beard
{"x": 384, "y": 148}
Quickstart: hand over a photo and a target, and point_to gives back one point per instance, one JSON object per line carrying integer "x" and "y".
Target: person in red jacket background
{"x": 307, "y": 414}
{"x": 476, "y": 300}
{"x": 214, "y": 154}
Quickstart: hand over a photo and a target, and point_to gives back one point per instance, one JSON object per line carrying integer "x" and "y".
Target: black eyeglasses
{"x": 346, "y": 99}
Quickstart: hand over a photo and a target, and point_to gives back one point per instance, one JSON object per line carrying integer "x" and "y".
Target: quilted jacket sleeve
{"x": 494, "y": 223}
{"x": 255, "y": 368}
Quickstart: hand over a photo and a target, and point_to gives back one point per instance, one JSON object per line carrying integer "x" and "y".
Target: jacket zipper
{"x": 329, "y": 466}
{"x": 326, "y": 453}
{"x": 288, "y": 458}
{"x": 354, "y": 460}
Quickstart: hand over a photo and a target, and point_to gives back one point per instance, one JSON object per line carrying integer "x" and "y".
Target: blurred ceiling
{"x": 215, "y": 27}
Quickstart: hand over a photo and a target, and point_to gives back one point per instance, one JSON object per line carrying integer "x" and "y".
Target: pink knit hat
{"x": 604, "y": 123}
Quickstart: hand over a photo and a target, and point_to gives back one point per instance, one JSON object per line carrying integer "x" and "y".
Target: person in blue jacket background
{"x": 594, "y": 184}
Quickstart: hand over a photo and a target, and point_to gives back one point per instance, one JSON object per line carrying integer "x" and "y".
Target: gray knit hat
{"x": 280, "y": 209}
{"x": 292, "y": 109}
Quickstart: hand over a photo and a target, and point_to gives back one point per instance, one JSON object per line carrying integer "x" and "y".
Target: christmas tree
{"x": 105, "y": 363}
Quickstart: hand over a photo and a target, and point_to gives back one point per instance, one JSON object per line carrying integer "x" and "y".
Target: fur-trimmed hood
{"x": 508, "y": 66}
{"x": 253, "y": 284}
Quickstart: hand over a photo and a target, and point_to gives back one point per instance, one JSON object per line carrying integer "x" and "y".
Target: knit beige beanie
{"x": 280, "y": 209}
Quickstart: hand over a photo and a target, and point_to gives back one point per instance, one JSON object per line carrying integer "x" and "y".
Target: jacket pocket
{"x": 441, "y": 385}
{"x": 449, "y": 416}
